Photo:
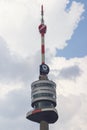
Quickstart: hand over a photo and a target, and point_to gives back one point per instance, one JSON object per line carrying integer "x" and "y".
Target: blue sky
{"x": 77, "y": 45}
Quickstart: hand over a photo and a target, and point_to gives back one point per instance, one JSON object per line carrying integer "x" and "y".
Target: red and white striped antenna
{"x": 42, "y": 30}
{"x": 44, "y": 69}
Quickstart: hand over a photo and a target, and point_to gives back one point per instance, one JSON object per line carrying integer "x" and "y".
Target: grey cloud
{"x": 13, "y": 108}
{"x": 71, "y": 72}
{"x": 13, "y": 67}
{"x": 15, "y": 104}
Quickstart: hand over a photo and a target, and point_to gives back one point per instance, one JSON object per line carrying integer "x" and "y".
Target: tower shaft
{"x": 44, "y": 125}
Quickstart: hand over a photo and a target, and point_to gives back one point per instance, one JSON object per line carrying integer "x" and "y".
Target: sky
{"x": 66, "y": 55}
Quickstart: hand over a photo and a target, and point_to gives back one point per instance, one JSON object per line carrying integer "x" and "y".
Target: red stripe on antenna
{"x": 43, "y": 49}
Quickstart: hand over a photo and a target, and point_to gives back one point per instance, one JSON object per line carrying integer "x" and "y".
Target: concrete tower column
{"x": 44, "y": 125}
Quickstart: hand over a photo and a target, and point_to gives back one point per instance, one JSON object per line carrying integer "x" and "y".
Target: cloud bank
{"x": 19, "y": 61}
{"x": 18, "y": 20}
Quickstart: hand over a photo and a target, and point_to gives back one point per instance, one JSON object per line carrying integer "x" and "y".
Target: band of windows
{"x": 43, "y": 85}
{"x": 44, "y": 95}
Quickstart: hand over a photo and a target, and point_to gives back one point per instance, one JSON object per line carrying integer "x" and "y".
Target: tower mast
{"x": 43, "y": 91}
{"x": 44, "y": 69}
{"x": 42, "y": 30}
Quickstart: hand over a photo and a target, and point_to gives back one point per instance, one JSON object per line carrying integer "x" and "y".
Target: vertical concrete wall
{"x": 44, "y": 125}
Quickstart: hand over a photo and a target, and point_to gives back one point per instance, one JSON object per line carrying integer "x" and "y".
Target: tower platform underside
{"x": 49, "y": 115}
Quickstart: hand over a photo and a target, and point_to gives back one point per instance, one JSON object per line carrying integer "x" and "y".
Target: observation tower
{"x": 43, "y": 91}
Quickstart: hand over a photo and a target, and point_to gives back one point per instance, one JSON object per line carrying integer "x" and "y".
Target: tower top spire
{"x": 42, "y": 14}
{"x": 42, "y": 26}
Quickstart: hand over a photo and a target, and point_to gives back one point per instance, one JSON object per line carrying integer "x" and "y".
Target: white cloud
{"x": 71, "y": 98}
{"x": 72, "y": 113}
{"x": 13, "y": 67}
{"x": 67, "y": 77}
{"x": 19, "y": 21}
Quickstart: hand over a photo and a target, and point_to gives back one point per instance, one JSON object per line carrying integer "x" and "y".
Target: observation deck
{"x": 46, "y": 114}
{"x": 43, "y": 100}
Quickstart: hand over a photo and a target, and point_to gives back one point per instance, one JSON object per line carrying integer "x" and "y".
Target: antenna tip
{"x": 42, "y": 7}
